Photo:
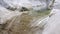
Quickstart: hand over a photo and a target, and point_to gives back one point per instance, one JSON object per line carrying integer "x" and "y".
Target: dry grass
{"x": 20, "y": 24}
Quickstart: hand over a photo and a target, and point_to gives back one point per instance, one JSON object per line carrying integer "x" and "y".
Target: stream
{"x": 36, "y": 19}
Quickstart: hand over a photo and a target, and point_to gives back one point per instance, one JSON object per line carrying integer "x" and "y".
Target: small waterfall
{"x": 23, "y": 16}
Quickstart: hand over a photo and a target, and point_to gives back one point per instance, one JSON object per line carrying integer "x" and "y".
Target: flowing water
{"x": 53, "y": 22}
{"x": 23, "y": 17}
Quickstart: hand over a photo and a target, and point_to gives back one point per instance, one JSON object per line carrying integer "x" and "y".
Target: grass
{"x": 40, "y": 13}
{"x": 20, "y": 25}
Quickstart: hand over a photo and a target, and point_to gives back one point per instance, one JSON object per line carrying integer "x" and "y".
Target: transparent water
{"x": 23, "y": 22}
